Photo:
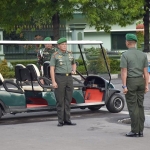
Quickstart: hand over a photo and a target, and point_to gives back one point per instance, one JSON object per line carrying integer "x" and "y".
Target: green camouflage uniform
{"x": 44, "y": 55}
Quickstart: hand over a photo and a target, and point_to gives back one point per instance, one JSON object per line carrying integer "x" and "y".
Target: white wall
{"x": 127, "y": 28}
{"x": 99, "y": 36}
{"x": 91, "y": 34}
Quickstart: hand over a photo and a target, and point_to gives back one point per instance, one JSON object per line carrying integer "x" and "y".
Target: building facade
{"x": 75, "y": 29}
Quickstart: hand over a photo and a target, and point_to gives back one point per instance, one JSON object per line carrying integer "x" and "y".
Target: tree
{"x": 14, "y": 12}
{"x": 99, "y": 13}
{"x": 104, "y": 13}
{"x": 146, "y": 20}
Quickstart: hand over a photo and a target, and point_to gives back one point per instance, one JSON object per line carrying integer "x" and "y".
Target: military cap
{"x": 61, "y": 40}
{"x": 131, "y": 37}
{"x": 47, "y": 39}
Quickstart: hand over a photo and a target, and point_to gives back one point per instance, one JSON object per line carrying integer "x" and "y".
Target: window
{"x": 118, "y": 41}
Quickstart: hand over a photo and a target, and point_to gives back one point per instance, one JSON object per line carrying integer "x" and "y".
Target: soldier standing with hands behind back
{"x": 62, "y": 66}
{"x": 134, "y": 65}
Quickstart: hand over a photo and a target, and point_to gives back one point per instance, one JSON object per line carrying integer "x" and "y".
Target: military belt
{"x": 136, "y": 77}
{"x": 64, "y": 74}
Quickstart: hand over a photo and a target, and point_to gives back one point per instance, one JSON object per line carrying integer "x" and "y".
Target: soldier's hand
{"x": 73, "y": 72}
{"x": 146, "y": 89}
{"x": 125, "y": 90}
{"x": 54, "y": 84}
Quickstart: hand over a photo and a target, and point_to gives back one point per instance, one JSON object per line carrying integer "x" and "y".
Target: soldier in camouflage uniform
{"x": 134, "y": 76}
{"x": 62, "y": 66}
{"x": 45, "y": 54}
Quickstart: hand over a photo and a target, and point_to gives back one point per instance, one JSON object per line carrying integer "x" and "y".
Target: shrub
{"x": 81, "y": 69}
{"x": 140, "y": 37}
{"x": 80, "y": 61}
{"x": 23, "y": 62}
{"x": 8, "y": 75}
{"x": 95, "y": 60}
{"x": 5, "y": 70}
{"x": 114, "y": 65}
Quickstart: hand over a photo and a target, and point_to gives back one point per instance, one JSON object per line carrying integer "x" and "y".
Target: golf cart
{"x": 91, "y": 91}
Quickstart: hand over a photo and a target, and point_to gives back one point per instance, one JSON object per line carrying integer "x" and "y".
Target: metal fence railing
{"x": 13, "y": 52}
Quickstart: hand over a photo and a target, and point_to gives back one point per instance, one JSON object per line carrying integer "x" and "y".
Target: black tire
{"x": 115, "y": 103}
{"x": 1, "y": 112}
{"x": 94, "y": 108}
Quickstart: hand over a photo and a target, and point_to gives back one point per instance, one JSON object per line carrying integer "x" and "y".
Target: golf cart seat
{"x": 35, "y": 77}
{"x": 30, "y": 74}
{"x": 6, "y": 84}
{"x": 95, "y": 82}
{"x": 94, "y": 89}
{"x": 18, "y": 67}
{"x": 23, "y": 75}
{"x": 46, "y": 69}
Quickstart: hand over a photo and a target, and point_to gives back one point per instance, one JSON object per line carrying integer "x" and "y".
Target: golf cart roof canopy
{"x": 50, "y": 42}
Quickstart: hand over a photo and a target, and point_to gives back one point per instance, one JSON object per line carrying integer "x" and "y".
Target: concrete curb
{"x": 127, "y": 120}
{"x": 114, "y": 76}
{"x": 147, "y": 121}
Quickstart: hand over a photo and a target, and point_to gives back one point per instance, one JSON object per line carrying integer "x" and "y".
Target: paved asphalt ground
{"x": 94, "y": 130}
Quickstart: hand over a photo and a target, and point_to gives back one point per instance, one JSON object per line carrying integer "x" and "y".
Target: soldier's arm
{"x": 146, "y": 76}
{"x": 52, "y": 68}
{"x": 74, "y": 68}
{"x": 123, "y": 66}
{"x": 52, "y": 73}
{"x": 124, "y": 75}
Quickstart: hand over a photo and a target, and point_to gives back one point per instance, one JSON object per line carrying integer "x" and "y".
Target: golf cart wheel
{"x": 115, "y": 103}
{"x": 0, "y": 112}
{"x": 94, "y": 108}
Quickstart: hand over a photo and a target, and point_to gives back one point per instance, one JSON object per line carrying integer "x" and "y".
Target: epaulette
{"x": 69, "y": 51}
{"x": 54, "y": 54}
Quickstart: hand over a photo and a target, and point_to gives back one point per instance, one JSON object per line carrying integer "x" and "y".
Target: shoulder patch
{"x": 69, "y": 51}
{"x": 55, "y": 54}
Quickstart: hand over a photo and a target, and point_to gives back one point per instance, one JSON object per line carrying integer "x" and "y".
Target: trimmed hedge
{"x": 113, "y": 63}
{"x": 23, "y": 62}
{"x": 114, "y": 66}
{"x": 5, "y": 70}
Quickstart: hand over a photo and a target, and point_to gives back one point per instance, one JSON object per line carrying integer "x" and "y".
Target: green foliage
{"x": 3, "y": 66}
{"x": 99, "y": 13}
{"x": 81, "y": 69}
{"x": 114, "y": 66}
{"x": 80, "y": 62}
{"x": 39, "y": 12}
{"x": 104, "y": 13}
{"x": 140, "y": 37}
{"x": 10, "y": 73}
{"x": 5, "y": 70}
{"x": 96, "y": 63}
{"x": 23, "y": 62}
{"x": 95, "y": 60}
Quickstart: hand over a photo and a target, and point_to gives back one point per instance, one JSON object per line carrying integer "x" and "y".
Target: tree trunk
{"x": 56, "y": 24}
{"x": 146, "y": 26}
